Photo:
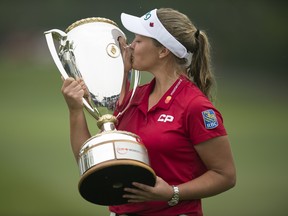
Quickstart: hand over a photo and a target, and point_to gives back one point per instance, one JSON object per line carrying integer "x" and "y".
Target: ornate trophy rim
{"x": 89, "y": 20}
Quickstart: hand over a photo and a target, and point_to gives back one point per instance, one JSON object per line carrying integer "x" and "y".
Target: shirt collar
{"x": 166, "y": 100}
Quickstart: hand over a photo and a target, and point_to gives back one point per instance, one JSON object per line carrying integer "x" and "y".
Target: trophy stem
{"x": 107, "y": 122}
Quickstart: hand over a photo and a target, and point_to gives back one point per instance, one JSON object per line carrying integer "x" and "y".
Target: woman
{"x": 184, "y": 134}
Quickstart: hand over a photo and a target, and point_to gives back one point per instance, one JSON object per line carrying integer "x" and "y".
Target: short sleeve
{"x": 203, "y": 120}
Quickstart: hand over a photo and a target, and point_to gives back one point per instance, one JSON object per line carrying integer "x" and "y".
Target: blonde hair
{"x": 196, "y": 42}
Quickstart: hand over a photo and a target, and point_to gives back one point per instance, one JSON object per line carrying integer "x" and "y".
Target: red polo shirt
{"x": 181, "y": 119}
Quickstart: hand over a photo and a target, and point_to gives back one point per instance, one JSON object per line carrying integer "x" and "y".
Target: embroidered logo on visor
{"x": 210, "y": 119}
{"x": 147, "y": 16}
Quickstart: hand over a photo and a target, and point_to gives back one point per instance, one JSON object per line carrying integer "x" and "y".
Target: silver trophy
{"x": 112, "y": 159}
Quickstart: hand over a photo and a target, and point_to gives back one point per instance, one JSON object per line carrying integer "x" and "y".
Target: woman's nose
{"x": 132, "y": 45}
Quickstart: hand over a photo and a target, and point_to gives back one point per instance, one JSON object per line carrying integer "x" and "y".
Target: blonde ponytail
{"x": 196, "y": 42}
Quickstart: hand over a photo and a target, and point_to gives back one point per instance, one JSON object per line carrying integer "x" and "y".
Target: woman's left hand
{"x": 126, "y": 54}
{"x": 162, "y": 191}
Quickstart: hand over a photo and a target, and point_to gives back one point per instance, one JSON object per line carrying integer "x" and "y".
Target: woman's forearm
{"x": 125, "y": 88}
{"x": 79, "y": 131}
{"x": 221, "y": 175}
{"x": 209, "y": 184}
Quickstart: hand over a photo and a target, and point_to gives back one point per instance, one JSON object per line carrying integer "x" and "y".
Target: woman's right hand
{"x": 73, "y": 92}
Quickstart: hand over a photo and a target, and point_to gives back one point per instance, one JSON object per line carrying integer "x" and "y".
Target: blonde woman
{"x": 184, "y": 134}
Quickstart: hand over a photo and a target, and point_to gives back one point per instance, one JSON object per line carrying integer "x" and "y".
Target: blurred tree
{"x": 244, "y": 34}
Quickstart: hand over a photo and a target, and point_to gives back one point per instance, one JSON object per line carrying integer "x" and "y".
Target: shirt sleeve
{"x": 203, "y": 121}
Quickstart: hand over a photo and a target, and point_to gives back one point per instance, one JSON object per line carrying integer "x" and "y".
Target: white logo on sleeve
{"x": 165, "y": 118}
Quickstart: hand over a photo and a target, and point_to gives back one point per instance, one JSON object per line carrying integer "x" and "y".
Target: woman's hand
{"x": 162, "y": 191}
{"x": 73, "y": 92}
{"x": 126, "y": 54}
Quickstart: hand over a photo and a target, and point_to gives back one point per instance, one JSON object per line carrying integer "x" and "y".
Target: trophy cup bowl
{"x": 110, "y": 160}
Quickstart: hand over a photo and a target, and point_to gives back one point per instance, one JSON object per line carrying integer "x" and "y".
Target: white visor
{"x": 150, "y": 26}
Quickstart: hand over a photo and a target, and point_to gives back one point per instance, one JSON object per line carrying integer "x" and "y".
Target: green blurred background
{"x": 39, "y": 175}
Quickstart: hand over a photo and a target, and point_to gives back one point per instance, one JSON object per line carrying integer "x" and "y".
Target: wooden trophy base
{"x": 104, "y": 183}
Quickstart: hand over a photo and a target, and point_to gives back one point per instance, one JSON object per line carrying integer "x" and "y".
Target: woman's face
{"x": 144, "y": 53}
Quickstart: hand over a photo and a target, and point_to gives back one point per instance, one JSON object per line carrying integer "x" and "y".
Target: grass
{"x": 39, "y": 175}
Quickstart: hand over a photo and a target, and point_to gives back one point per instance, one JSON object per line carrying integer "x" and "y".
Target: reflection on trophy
{"x": 112, "y": 159}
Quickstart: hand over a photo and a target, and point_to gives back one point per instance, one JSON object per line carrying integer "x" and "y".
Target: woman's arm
{"x": 79, "y": 132}
{"x": 73, "y": 92}
{"x": 126, "y": 56}
{"x": 221, "y": 175}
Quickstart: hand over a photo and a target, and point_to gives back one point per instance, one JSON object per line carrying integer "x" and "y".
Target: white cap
{"x": 150, "y": 26}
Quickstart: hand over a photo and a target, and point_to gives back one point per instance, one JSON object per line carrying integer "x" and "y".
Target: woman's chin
{"x": 134, "y": 67}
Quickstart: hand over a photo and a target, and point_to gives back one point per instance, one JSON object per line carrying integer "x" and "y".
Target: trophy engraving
{"x": 111, "y": 159}
{"x": 113, "y": 50}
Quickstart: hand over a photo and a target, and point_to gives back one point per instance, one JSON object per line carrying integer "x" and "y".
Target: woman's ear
{"x": 163, "y": 52}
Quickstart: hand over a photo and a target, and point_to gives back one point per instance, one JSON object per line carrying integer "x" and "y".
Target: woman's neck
{"x": 166, "y": 73}
{"x": 162, "y": 84}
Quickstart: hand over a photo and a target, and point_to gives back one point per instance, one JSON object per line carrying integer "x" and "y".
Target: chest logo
{"x": 165, "y": 118}
{"x": 210, "y": 119}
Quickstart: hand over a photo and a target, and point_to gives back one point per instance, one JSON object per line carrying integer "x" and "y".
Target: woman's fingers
{"x": 126, "y": 54}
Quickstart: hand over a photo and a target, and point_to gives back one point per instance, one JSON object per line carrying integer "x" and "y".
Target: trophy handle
{"x": 56, "y": 33}
{"x": 136, "y": 83}
{"x": 50, "y": 41}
